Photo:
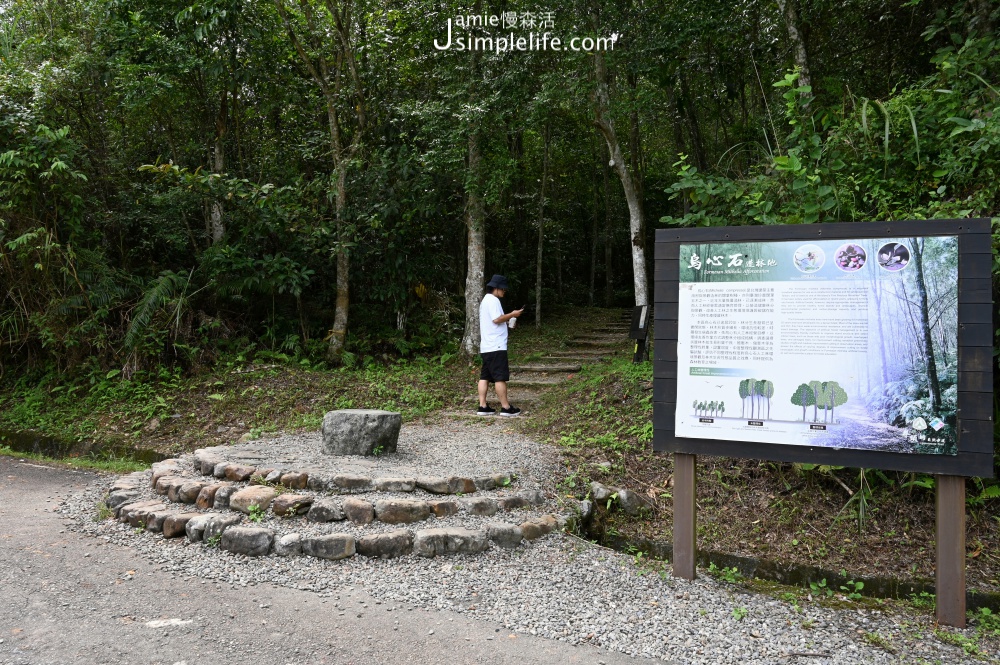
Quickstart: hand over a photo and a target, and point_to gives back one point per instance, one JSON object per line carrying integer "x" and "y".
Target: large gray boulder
{"x": 361, "y": 432}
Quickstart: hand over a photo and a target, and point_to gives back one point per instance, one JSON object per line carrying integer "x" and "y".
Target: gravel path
{"x": 557, "y": 587}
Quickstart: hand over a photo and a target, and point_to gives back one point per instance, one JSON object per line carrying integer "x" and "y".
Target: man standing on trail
{"x": 493, "y": 347}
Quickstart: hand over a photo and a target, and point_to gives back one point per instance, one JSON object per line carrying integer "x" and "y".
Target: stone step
{"x": 601, "y": 335}
{"x": 535, "y": 382}
{"x": 582, "y": 359}
{"x": 229, "y": 532}
{"x": 515, "y": 393}
{"x": 244, "y": 521}
{"x": 171, "y": 478}
{"x": 583, "y": 354}
{"x": 600, "y": 343}
{"x": 563, "y": 368}
{"x": 472, "y": 415}
{"x": 328, "y": 508}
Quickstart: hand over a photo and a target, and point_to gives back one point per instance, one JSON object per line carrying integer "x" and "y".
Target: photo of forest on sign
{"x": 909, "y": 384}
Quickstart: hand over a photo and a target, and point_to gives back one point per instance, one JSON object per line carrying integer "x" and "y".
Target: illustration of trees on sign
{"x": 722, "y": 409}
{"x": 826, "y": 395}
{"x": 803, "y": 396}
{"x": 765, "y": 391}
{"x": 815, "y": 386}
{"x": 835, "y": 396}
{"x": 694, "y": 405}
{"x": 756, "y": 392}
{"x": 744, "y": 393}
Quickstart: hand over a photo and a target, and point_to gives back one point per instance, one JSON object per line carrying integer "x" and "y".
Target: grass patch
{"x": 119, "y": 465}
{"x": 172, "y": 414}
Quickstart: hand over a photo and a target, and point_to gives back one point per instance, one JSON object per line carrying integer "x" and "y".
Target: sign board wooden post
{"x": 685, "y": 516}
{"x": 865, "y": 345}
{"x": 949, "y": 576}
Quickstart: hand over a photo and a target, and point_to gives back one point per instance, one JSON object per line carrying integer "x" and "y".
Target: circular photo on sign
{"x": 809, "y": 258}
{"x": 893, "y": 256}
{"x": 850, "y": 257}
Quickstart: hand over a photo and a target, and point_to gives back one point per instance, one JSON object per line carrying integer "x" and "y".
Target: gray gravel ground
{"x": 558, "y": 587}
{"x": 73, "y": 599}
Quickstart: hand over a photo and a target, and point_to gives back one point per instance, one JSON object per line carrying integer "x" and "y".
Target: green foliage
{"x": 923, "y": 600}
{"x": 820, "y": 588}
{"x": 111, "y": 463}
{"x": 731, "y": 575}
{"x": 852, "y": 589}
{"x": 103, "y": 512}
{"x": 256, "y": 513}
{"x": 933, "y": 155}
{"x": 987, "y": 621}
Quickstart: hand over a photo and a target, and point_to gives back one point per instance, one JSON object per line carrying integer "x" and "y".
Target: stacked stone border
{"x": 246, "y": 490}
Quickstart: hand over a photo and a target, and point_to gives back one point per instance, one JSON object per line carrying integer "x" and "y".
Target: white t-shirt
{"x": 492, "y": 336}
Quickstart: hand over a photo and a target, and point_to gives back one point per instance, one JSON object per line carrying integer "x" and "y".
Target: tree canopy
{"x": 180, "y": 180}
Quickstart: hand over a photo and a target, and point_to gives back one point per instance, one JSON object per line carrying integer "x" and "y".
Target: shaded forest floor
{"x": 880, "y": 524}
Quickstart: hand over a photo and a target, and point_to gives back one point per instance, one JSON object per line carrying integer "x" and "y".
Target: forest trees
{"x": 804, "y": 397}
{"x": 758, "y": 393}
{"x": 927, "y": 344}
{"x": 388, "y": 164}
{"x": 712, "y": 408}
{"x": 819, "y": 394}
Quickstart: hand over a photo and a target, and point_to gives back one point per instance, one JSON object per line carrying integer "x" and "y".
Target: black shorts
{"x": 495, "y": 367}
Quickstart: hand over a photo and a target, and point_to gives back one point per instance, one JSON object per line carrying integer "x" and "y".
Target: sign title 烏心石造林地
{"x": 537, "y": 39}
{"x": 735, "y": 261}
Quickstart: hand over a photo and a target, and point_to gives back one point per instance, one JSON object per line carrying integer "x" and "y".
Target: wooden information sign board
{"x": 864, "y": 345}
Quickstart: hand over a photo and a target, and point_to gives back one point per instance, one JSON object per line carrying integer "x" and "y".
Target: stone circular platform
{"x": 445, "y": 491}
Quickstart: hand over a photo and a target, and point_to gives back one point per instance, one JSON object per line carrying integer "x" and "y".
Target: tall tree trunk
{"x": 476, "y": 231}
{"x": 217, "y": 225}
{"x": 635, "y": 139}
{"x": 332, "y": 77}
{"x": 609, "y": 282}
{"x": 594, "y": 231}
{"x": 475, "y": 224}
{"x": 559, "y": 271}
{"x": 791, "y": 16}
{"x": 541, "y": 227}
{"x": 602, "y": 109}
{"x": 877, "y": 293}
{"x": 694, "y": 126}
{"x": 917, "y": 245}
{"x": 675, "y": 111}
{"x": 636, "y": 161}
{"x": 338, "y": 335}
